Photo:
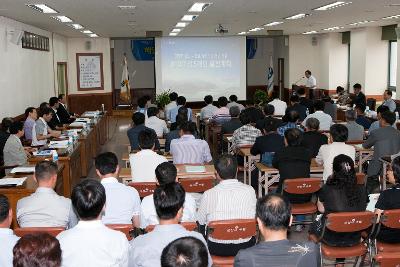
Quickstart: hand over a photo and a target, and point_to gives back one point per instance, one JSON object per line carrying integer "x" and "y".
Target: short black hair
{"x": 185, "y": 252}
{"x": 234, "y": 111}
{"x": 138, "y": 118}
{"x": 270, "y": 125}
{"x": 301, "y": 91}
{"x": 222, "y": 101}
{"x": 147, "y": 139}
{"x": 15, "y": 127}
{"x": 168, "y": 200}
{"x": 106, "y": 163}
{"x": 319, "y": 105}
{"x": 173, "y": 96}
{"x": 294, "y": 98}
{"x": 312, "y": 124}
{"x": 88, "y": 199}
{"x": 53, "y": 100}
{"x": 4, "y": 208}
{"x": 292, "y": 115}
{"x": 29, "y": 110}
{"x": 339, "y": 89}
{"x": 308, "y": 72}
{"x": 361, "y": 107}
{"x": 269, "y": 109}
{"x": 389, "y": 92}
{"x": 208, "y": 99}
{"x": 188, "y": 127}
{"x": 44, "y": 170}
{"x": 166, "y": 173}
{"x": 45, "y": 111}
{"x": 244, "y": 117}
{"x": 389, "y": 117}
{"x": 152, "y": 111}
{"x": 43, "y": 105}
{"x": 382, "y": 108}
{"x": 142, "y": 102}
{"x": 181, "y": 118}
{"x": 339, "y": 133}
{"x": 275, "y": 94}
{"x": 61, "y": 96}
{"x": 294, "y": 137}
{"x": 274, "y": 211}
{"x": 5, "y": 123}
{"x": 357, "y": 85}
{"x": 233, "y": 98}
{"x": 226, "y": 166}
{"x": 181, "y": 100}
{"x": 396, "y": 169}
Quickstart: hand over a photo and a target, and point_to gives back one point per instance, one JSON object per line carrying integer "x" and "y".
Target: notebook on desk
{"x": 194, "y": 169}
{"x": 23, "y": 170}
{"x": 11, "y": 182}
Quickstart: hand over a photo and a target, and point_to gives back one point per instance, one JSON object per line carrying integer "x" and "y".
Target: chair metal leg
{"x": 355, "y": 262}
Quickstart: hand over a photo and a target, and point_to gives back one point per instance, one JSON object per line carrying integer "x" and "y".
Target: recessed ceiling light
{"x": 126, "y": 7}
{"x": 173, "y": 34}
{"x": 176, "y": 30}
{"x": 87, "y": 31}
{"x": 298, "y": 16}
{"x": 189, "y": 17}
{"x": 62, "y": 19}
{"x": 256, "y": 29}
{"x": 392, "y": 17}
{"x": 332, "y": 5}
{"x": 42, "y": 8}
{"x": 310, "y": 32}
{"x": 76, "y": 26}
{"x": 181, "y": 24}
{"x": 273, "y": 23}
{"x": 199, "y": 7}
{"x": 242, "y": 33}
{"x": 93, "y": 35}
{"x": 333, "y": 28}
{"x": 360, "y": 22}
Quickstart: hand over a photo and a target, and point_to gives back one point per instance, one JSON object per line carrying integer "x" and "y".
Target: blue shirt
{"x": 133, "y": 135}
{"x": 173, "y": 112}
{"x": 363, "y": 121}
{"x": 290, "y": 125}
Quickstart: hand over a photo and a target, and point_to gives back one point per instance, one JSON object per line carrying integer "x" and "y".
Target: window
{"x": 392, "y": 64}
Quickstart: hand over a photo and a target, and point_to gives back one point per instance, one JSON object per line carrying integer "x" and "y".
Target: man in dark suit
{"x": 386, "y": 141}
{"x": 295, "y": 105}
{"x": 230, "y": 126}
{"x": 308, "y": 103}
{"x": 65, "y": 116}
{"x": 361, "y": 119}
{"x": 55, "y": 120}
{"x": 359, "y": 98}
{"x": 269, "y": 111}
{"x": 133, "y": 133}
{"x": 312, "y": 139}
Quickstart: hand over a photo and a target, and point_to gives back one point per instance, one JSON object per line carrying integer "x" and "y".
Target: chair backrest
{"x": 347, "y": 222}
{"x": 360, "y": 178}
{"x": 391, "y": 218}
{"x": 144, "y": 189}
{"x": 123, "y": 228}
{"x": 388, "y": 259}
{"x": 232, "y": 229}
{"x": 190, "y": 226}
{"x": 54, "y": 231}
{"x": 302, "y": 186}
{"x": 197, "y": 185}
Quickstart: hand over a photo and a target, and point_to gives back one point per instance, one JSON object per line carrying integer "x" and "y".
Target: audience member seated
{"x": 90, "y": 242}
{"x": 144, "y": 162}
{"x": 181, "y": 118}
{"x": 182, "y": 115}
{"x": 55, "y": 120}
{"x": 166, "y": 173}
{"x": 234, "y": 123}
{"x": 149, "y": 104}
{"x": 356, "y": 131}
{"x": 343, "y": 97}
{"x": 386, "y": 141}
{"x": 304, "y": 100}
{"x": 290, "y": 122}
{"x": 44, "y": 105}
{"x": 312, "y": 138}
{"x": 341, "y": 193}
{"x": 14, "y": 153}
{"x": 221, "y": 115}
{"x": 268, "y": 111}
{"x": 274, "y": 218}
{"x": 146, "y": 249}
{"x": 189, "y": 150}
{"x": 325, "y": 120}
{"x": 295, "y": 105}
{"x": 330, "y": 108}
{"x": 142, "y": 102}
{"x": 279, "y": 105}
{"x": 122, "y": 202}
{"x": 208, "y": 111}
{"x": 375, "y": 125}
{"x": 4, "y": 134}
{"x": 185, "y": 252}
{"x": 31, "y": 116}
{"x": 338, "y": 135}
{"x": 39, "y": 249}
{"x": 41, "y": 131}
{"x": 155, "y": 123}
{"x": 65, "y": 116}
{"x": 228, "y": 200}
{"x": 233, "y": 102}
{"x": 255, "y": 113}
{"x": 45, "y": 208}
{"x": 247, "y": 134}
{"x": 7, "y": 237}
{"x": 172, "y": 97}
{"x": 181, "y": 102}
{"x": 389, "y": 199}
{"x": 359, "y": 98}
{"x": 388, "y": 101}
{"x": 138, "y": 126}
{"x": 361, "y": 119}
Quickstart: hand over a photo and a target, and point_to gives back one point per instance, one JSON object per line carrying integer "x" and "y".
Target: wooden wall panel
{"x": 80, "y": 103}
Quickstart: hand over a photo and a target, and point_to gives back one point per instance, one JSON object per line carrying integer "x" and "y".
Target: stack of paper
{"x": 58, "y": 144}
{"x": 23, "y": 170}
{"x": 195, "y": 169}
{"x": 85, "y": 120}
{"x": 12, "y": 181}
{"x": 77, "y": 124}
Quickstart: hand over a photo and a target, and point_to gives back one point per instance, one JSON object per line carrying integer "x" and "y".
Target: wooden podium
{"x": 312, "y": 94}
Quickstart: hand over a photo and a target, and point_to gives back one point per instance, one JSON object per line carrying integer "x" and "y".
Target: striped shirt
{"x": 228, "y": 200}
{"x": 189, "y": 150}
{"x": 245, "y": 135}
{"x": 221, "y": 115}
{"x": 290, "y": 125}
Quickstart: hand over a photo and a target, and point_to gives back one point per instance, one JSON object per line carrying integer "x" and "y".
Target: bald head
{"x": 274, "y": 211}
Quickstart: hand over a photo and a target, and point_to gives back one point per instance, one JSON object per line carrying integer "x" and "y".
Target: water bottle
{"x": 397, "y": 116}
{"x": 55, "y": 156}
{"x": 307, "y": 112}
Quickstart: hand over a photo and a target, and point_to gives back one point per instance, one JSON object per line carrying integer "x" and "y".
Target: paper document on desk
{"x": 77, "y": 124}
{"x": 43, "y": 153}
{"x": 58, "y": 144}
{"x": 373, "y": 198}
{"x": 23, "y": 170}
{"x": 85, "y": 120}
{"x": 11, "y": 181}
{"x": 195, "y": 169}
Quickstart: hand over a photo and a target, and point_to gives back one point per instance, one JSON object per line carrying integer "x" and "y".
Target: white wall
{"x": 338, "y": 61}
{"x": 60, "y": 44}
{"x": 257, "y": 66}
{"x": 281, "y": 50}
{"x": 26, "y": 76}
{"x": 98, "y": 45}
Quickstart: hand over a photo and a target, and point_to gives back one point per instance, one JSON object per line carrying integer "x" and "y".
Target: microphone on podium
{"x": 299, "y": 80}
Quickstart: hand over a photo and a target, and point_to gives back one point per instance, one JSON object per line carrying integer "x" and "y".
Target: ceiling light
{"x": 173, "y": 34}
{"x": 360, "y": 22}
{"x": 189, "y": 17}
{"x": 76, "y": 26}
{"x": 93, "y": 35}
{"x": 392, "y": 17}
{"x": 126, "y": 7}
{"x": 333, "y": 28}
{"x": 62, "y": 19}
{"x": 310, "y": 32}
{"x": 42, "y": 8}
{"x": 273, "y": 23}
{"x": 176, "y": 30}
{"x": 332, "y": 5}
{"x": 199, "y": 7}
{"x": 87, "y": 31}
{"x": 298, "y": 16}
{"x": 242, "y": 33}
{"x": 181, "y": 24}
{"x": 256, "y": 29}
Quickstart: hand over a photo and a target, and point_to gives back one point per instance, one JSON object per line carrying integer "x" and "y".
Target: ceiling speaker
{"x": 88, "y": 45}
{"x": 16, "y": 37}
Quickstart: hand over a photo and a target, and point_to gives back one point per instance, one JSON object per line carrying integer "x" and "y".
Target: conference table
{"x": 248, "y": 162}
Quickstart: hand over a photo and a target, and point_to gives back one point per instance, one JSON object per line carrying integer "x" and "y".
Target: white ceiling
{"x": 104, "y": 18}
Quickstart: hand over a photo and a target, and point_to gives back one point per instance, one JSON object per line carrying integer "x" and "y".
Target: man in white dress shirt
{"x": 41, "y": 131}
{"x": 208, "y": 111}
{"x": 338, "y": 137}
{"x": 155, "y": 123}
{"x": 166, "y": 173}
{"x": 311, "y": 82}
{"x": 144, "y": 162}
{"x": 279, "y": 105}
{"x": 45, "y": 208}
{"x": 7, "y": 237}
{"x": 123, "y": 202}
{"x": 90, "y": 242}
{"x": 233, "y": 102}
{"x": 146, "y": 249}
{"x": 325, "y": 120}
{"x": 172, "y": 97}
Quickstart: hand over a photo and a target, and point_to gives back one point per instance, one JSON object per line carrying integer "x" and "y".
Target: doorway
{"x": 62, "y": 78}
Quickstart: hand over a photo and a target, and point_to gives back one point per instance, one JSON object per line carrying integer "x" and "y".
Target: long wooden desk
{"x": 249, "y": 162}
